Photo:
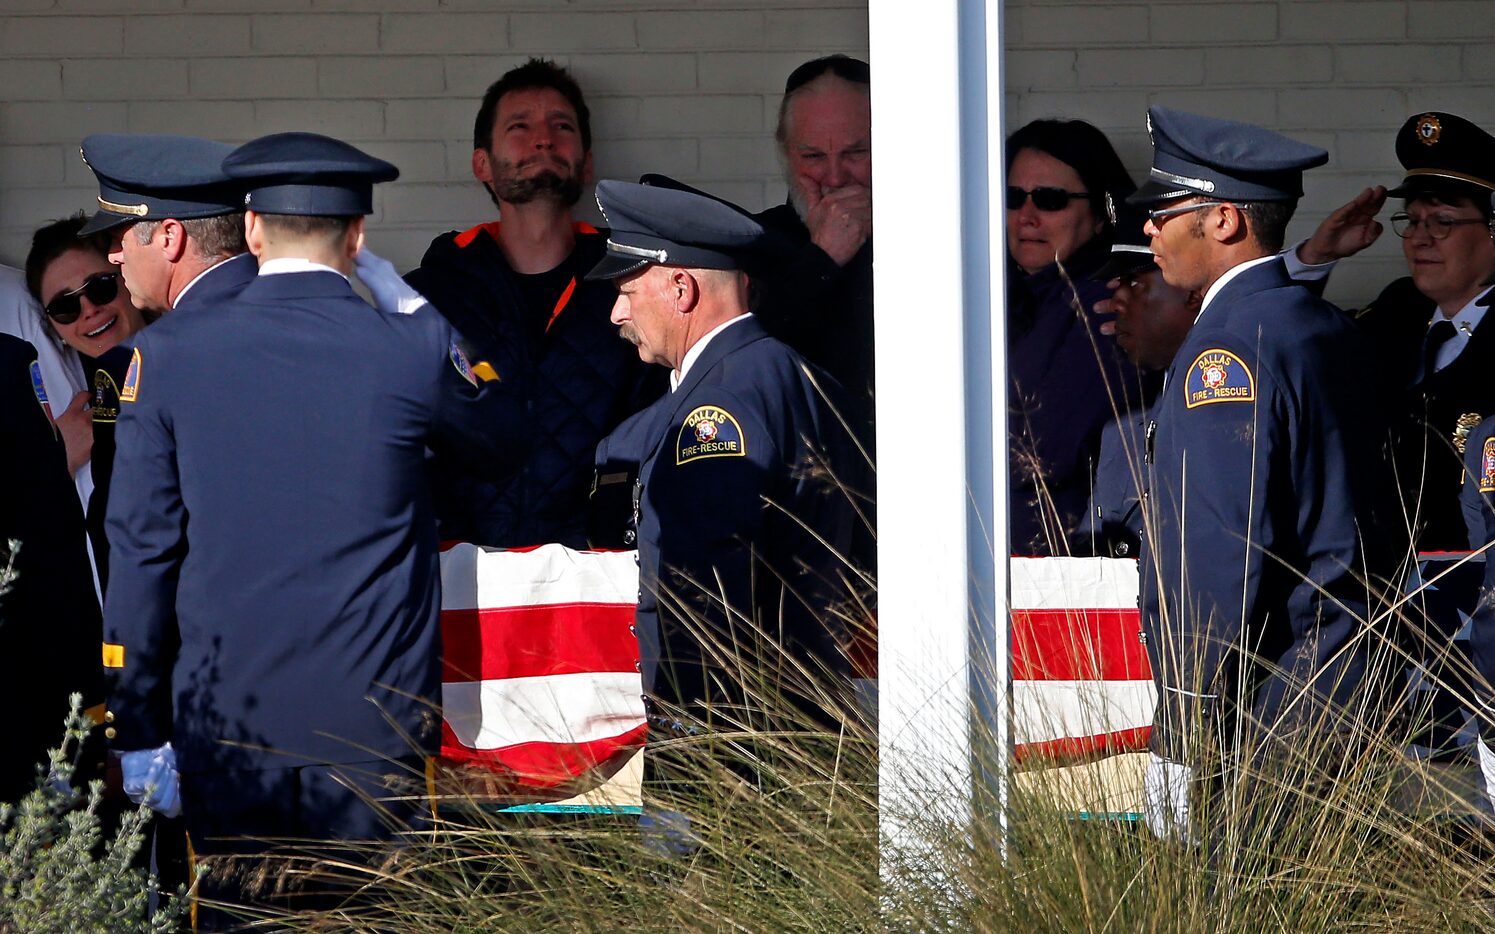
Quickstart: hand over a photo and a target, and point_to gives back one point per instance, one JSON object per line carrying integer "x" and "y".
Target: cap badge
{"x": 1429, "y": 129}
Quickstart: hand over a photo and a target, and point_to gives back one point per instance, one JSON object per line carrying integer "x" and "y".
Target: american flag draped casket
{"x": 540, "y": 689}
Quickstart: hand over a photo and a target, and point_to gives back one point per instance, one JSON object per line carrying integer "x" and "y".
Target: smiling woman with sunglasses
{"x": 86, "y": 305}
{"x": 1063, "y": 373}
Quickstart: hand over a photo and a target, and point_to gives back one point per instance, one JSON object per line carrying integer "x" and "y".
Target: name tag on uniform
{"x": 1218, "y": 376}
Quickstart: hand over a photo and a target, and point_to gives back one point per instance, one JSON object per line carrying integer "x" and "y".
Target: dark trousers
{"x": 263, "y": 839}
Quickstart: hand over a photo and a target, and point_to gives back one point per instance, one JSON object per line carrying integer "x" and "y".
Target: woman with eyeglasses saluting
{"x": 1065, "y": 379}
{"x": 1434, "y": 339}
{"x": 87, "y": 308}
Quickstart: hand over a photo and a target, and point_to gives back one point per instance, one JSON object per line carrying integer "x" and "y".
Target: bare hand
{"x": 1347, "y": 231}
{"x": 840, "y": 220}
{"x": 1104, "y": 307}
{"x": 76, "y": 425}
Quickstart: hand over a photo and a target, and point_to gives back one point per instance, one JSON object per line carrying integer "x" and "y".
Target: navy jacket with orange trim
{"x": 577, "y": 377}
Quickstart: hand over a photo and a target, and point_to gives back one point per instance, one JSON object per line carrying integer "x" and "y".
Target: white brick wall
{"x": 690, "y": 87}
{"x": 1342, "y": 74}
{"x": 685, "y": 87}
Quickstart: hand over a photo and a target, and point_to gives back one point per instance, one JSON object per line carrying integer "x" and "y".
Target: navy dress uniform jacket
{"x": 275, "y": 575}
{"x": 220, "y": 283}
{"x": 49, "y": 618}
{"x": 578, "y": 379}
{"x": 1267, "y": 503}
{"x": 1426, "y": 412}
{"x": 1479, "y": 511}
{"x": 737, "y": 527}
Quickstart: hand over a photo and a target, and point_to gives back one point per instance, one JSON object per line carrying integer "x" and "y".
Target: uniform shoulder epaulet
{"x": 466, "y": 237}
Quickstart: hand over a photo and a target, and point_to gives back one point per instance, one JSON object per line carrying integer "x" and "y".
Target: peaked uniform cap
{"x": 655, "y": 224}
{"x": 1436, "y": 148}
{"x": 1197, "y": 156}
{"x": 307, "y": 174}
{"x": 149, "y": 177}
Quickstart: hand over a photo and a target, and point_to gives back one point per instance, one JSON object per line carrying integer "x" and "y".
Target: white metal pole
{"x": 942, "y": 516}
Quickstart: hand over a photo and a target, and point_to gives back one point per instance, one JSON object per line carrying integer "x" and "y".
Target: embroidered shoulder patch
{"x": 1487, "y": 467}
{"x": 38, "y": 386}
{"x": 460, "y": 362}
{"x": 131, "y": 388}
{"x": 105, "y": 397}
{"x": 709, "y": 431}
{"x": 1218, "y": 376}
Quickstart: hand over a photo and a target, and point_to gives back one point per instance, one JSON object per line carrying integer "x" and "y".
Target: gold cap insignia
{"x": 1466, "y": 423}
{"x": 1429, "y": 129}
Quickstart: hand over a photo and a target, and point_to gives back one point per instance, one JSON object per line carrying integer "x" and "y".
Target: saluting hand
{"x": 839, "y": 220}
{"x": 1348, "y": 230}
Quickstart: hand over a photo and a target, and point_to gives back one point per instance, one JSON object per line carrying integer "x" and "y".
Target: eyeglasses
{"x": 1437, "y": 226}
{"x": 1045, "y": 198}
{"x": 1162, "y": 214}
{"x": 100, "y": 289}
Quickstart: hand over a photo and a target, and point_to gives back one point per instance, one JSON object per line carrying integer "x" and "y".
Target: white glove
{"x": 1165, "y": 798}
{"x": 392, "y": 295}
{"x": 151, "y": 778}
{"x": 1487, "y": 768}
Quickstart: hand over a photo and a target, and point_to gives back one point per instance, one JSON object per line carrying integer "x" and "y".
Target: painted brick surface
{"x": 691, "y": 87}
{"x": 1342, "y": 74}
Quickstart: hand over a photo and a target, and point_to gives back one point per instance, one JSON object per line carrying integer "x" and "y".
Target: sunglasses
{"x": 1045, "y": 199}
{"x": 842, "y": 66}
{"x": 100, "y": 289}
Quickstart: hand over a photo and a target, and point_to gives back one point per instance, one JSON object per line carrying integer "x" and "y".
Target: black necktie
{"x": 1438, "y": 335}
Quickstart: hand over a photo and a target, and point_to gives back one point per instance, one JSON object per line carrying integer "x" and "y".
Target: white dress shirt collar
{"x": 285, "y": 264}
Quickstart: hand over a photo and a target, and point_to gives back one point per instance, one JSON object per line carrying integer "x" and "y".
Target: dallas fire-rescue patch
{"x": 105, "y": 397}
{"x": 1218, "y": 375}
{"x": 709, "y": 431}
{"x": 131, "y": 388}
{"x": 1487, "y": 467}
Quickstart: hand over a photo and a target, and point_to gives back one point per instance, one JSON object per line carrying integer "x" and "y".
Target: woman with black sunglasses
{"x": 1065, "y": 379}
{"x": 88, "y": 308}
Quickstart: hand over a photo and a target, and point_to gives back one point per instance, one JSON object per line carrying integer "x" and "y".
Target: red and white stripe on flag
{"x": 1081, "y": 682}
{"x": 539, "y": 683}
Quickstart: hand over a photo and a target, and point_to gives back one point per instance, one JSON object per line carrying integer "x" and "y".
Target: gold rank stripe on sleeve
{"x": 114, "y": 655}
